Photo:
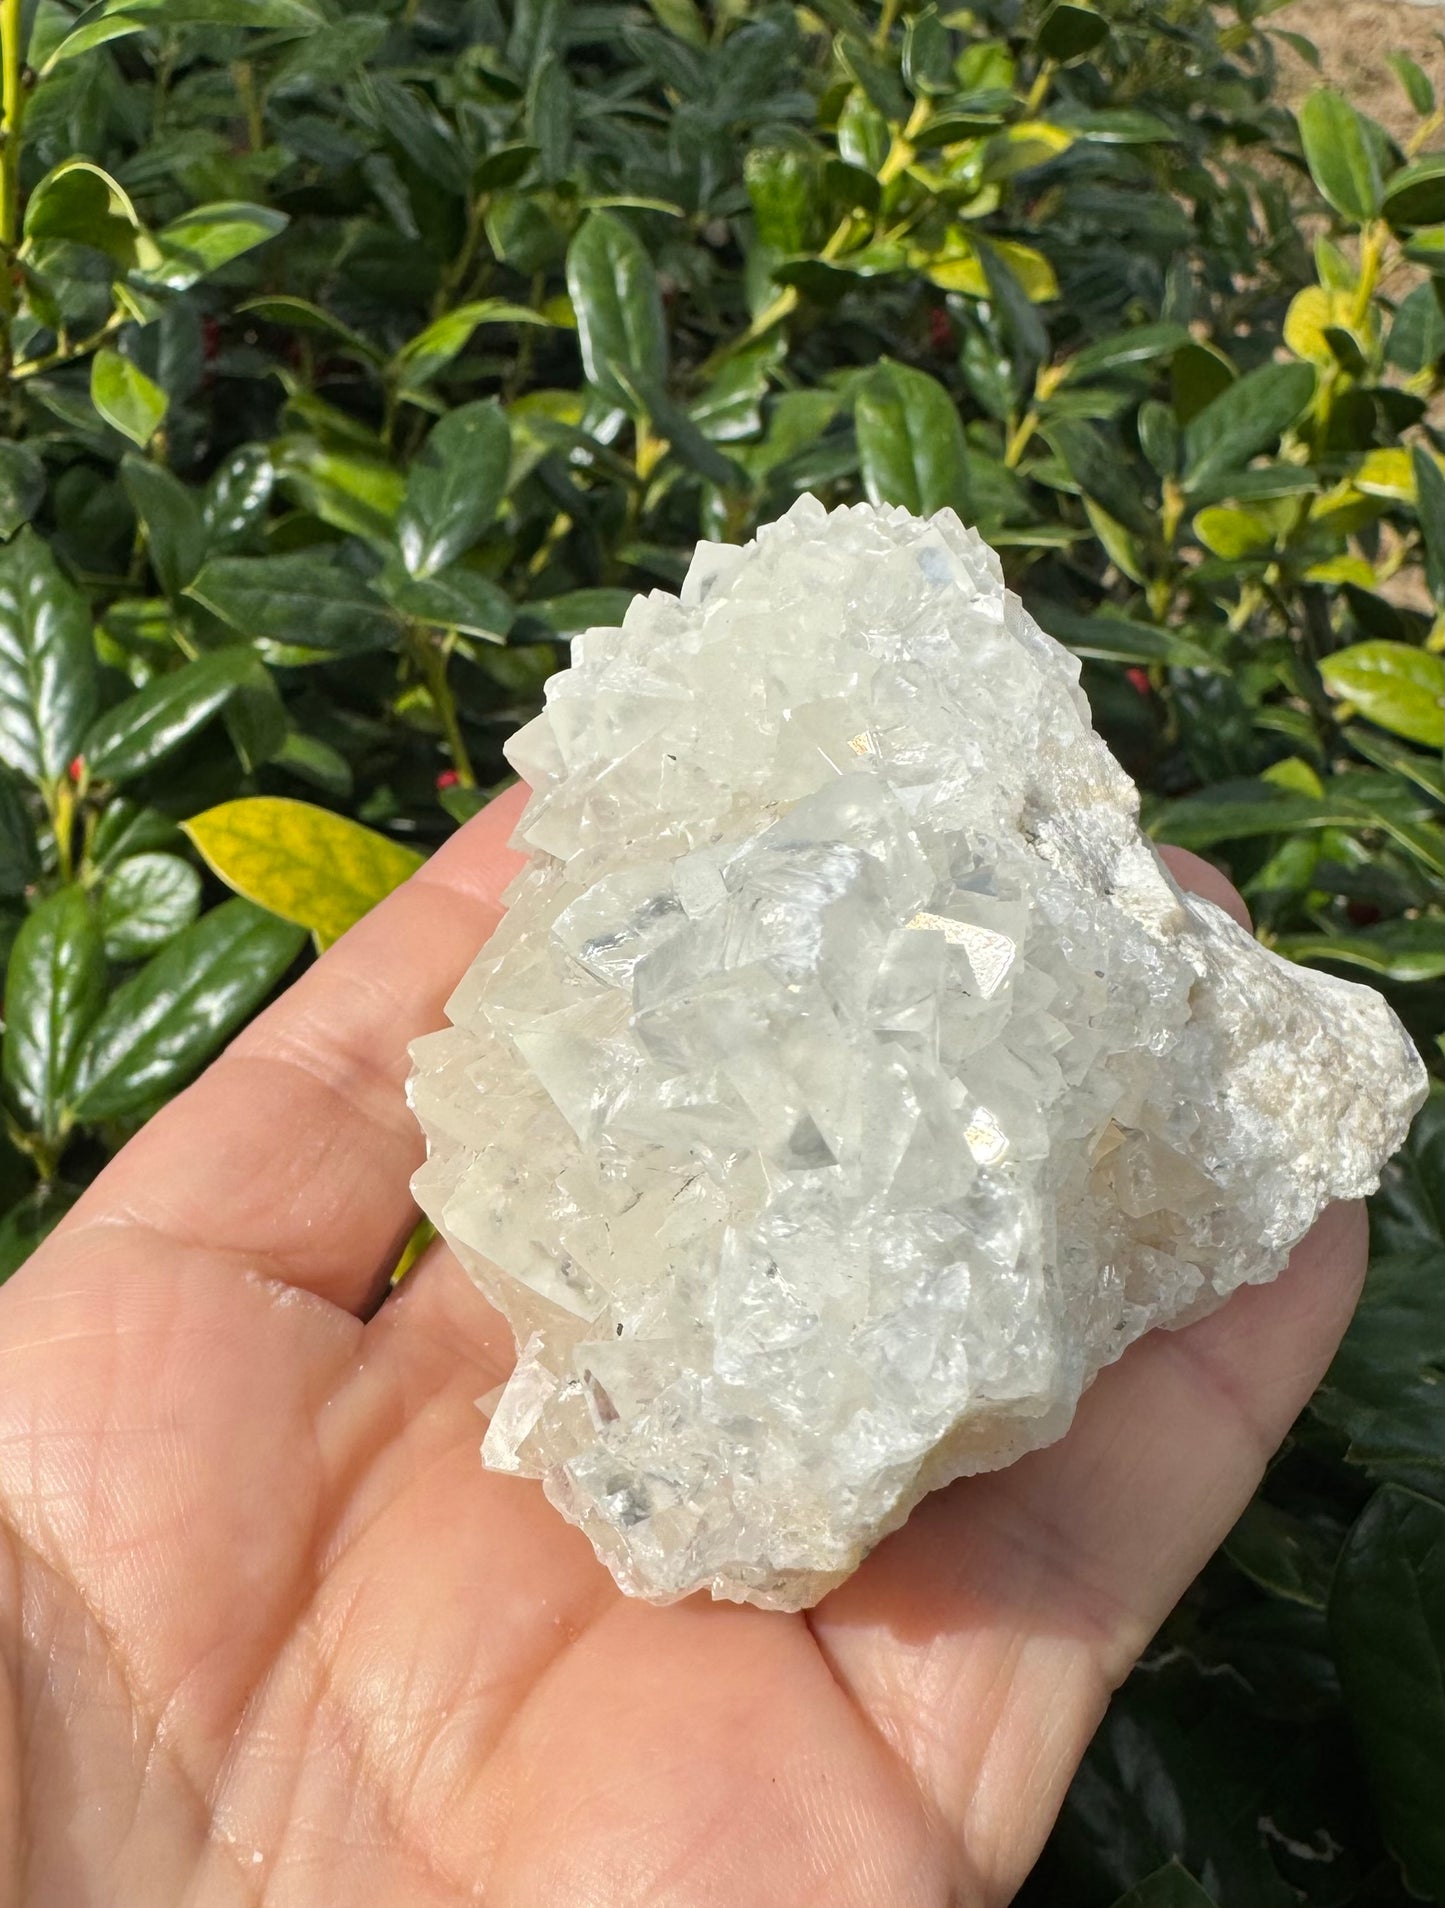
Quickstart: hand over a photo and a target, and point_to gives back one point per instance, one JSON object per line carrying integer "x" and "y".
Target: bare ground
{"x": 1354, "y": 38}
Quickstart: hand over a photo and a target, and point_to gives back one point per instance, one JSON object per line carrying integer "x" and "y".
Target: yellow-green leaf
{"x": 1234, "y": 533}
{"x": 1395, "y": 685}
{"x": 304, "y": 863}
{"x": 1311, "y": 312}
{"x": 1386, "y": 473}
{"x": 1342, "y": 569}
{"x": 126, "y": 398}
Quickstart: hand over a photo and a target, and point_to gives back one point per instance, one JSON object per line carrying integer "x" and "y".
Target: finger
{"x": 293, "y": 1152}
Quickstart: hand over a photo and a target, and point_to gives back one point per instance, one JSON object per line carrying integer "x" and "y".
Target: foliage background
{"x": 352, "y": 360}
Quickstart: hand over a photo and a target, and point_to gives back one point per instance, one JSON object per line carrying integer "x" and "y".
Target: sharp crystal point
{"x": 849, "y": 1080}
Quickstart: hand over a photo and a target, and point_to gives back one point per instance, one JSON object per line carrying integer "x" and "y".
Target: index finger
{"x": 294, "y": 1150}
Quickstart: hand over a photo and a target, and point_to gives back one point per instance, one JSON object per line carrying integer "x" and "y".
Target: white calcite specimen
{"x": 849, "y": 1080}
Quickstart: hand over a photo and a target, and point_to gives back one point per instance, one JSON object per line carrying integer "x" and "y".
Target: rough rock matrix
{"x": 849, "y": 1081}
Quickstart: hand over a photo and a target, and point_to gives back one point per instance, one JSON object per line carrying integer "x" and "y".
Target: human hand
{"x": 270, "y": 1634}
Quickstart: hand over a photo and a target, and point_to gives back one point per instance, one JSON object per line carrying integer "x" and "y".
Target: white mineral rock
{"x": 849, "y": 1081}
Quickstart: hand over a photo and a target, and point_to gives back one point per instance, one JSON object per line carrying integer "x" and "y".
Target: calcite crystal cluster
{"x": 849, "y": 1080}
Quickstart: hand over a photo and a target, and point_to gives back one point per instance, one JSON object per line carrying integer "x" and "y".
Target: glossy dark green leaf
{"x": 1243, "y": 420}
{"x": 19, "y": 850}
{"x": 54, "y": 989}
{"x": 1415, "y": 195}
{"x": 30, "y": 1221}
{"x": 236, "y": 497}
{"x": 1385, "y": 1389}
{"x": 455, "y": 598}
{"x": 301, "y": 603}
{"x": 1404, "y": 950}
{"x": 1171, "y": 1886}
{"x": 128, "y": 828}
{"x": 423, "y": 358}
{"x": 22, "y": 487}
{"x": 1105, "y": 636}
{"x": 81, "y": 204}
{"x": 455, "y": 487}
{"x": 575, "y": 611}
{"x": 1095, "y": 462}
{"x": 928, "y": 54}
{"x": 162, "y": 1025}
{"x": 1387, "y": 1623}
{"x": 1198, "y": 373}
{"x": 1283, "y": 1553}
{"x": 614, "y": 291}
{"x": 910, "y": 442}
{"x": 146, "y": 902}
{"x": 1069, "y": 30}
{"x": 49, "y": 684}
{"x": 145, "y": 728}
{"x": 175, "y": 528}
{"x": 1340, "y": 153}
{"x": 502, "y": 167}
{"x": 301, "y": 314}
{"x": 203, "y": 240}
{"x": 1417, "y": 336}
{"x": 1123, "y": 350}
{"x": 1430, "y": 510}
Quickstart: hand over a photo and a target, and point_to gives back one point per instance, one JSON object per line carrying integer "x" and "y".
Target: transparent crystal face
{"x": 849, "y": 1081}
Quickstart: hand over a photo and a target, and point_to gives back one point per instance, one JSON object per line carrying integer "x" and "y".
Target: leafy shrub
{"x": 352, "y": 361}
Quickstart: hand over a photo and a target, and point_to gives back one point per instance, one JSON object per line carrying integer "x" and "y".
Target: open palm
{"x": 269, "y": 1633}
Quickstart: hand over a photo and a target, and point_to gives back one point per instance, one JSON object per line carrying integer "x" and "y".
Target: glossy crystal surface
{"x": 849, "y": 1081}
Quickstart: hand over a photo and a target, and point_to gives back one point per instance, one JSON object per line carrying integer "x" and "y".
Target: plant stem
{"x": 432, "y": 652}
{"x": 64, "y": 353}
{"x": 1040, "y": 86}
{"x": 244, "y": 75}
{"x": 12, "y": 125}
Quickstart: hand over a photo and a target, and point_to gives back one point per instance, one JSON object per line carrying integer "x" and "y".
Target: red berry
{"x": 448, "y": 778}
{"x": 77, "y": 767}
{"x": 1140, "y": 679}
{"x": 940, "y": 329}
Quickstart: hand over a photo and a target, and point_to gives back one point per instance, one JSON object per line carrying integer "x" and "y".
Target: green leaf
{"x": 54, "y": 988}
{"x": 162, "y": 1025}
{"x": 301, "y": 603}
{"x": 146, "y": 727}
{"x": 1415, "y": 195}
{"x": 1141, "y": 344}
{"x": 1234, "y": 533}
{"x": 1340, "y": 154}
{"x": 303, "y": 863}
{"x": 175, "y": 529}
{"x": 1384, "y": 1387}
{"x": 577, "y": 610}
{"x": 49, "y": 684}
{"x": 1387, "y": 1626}
{"x": 289, "y": 16}
{"x": 429, "y": 353}
{"x": 1393, "y": 684}
{"x": 201, "y": 241}
{"x": 784, "y": 184}
{"x": 146, "y": 902}
{"x": 22, "y": 487}
{"x": 455, "y": 598}
{"x": 19, "y": 850}
{"x": 126, "y": 398}
{"x": 300, "y": 314}
{"x": 615, "y": 295}
{"x": 910, "y": 442}
{"x": 1097, "y": 465}
{"x": 1418, "y": 89}
{"x": 1417, "y": 336}
{"x": 91, "y": 32}
{"x": 1107, "y": 636}
{"x": 1069, "y": 30}
{"x": 1246, "y": 418}
{"x": 1430, "y": 511}
{"x": 1168, "y": 1887}
{"x": 1404, "y": 950}
{"x": 455, "y": 487}
{"x": 1282, "y": 1553}
{"x": 357, "y": 494}
{"x": 236, "y": 497}
{"x": 30, "y": 1221}
{"x": 502, "y": 167}
{"x": 80, "y": 203}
